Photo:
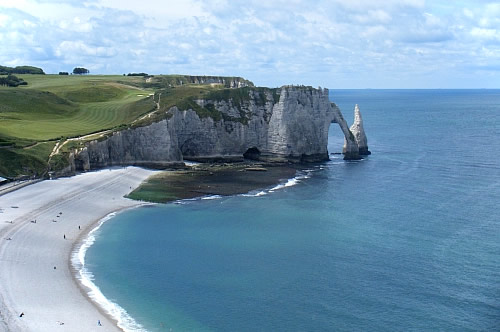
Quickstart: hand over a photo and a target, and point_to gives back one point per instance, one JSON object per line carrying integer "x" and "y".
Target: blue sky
{"x": 334, "y": 43}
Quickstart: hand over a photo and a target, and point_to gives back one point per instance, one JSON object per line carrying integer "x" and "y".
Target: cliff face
{"x": 176, "y": 80}
{"x": 293, "y": 128}
{"x": 230, "y": 82}
{"x": 359, "y": 132}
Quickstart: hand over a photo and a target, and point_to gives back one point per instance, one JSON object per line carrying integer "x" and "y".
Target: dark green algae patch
{"x": 214, "y": 179}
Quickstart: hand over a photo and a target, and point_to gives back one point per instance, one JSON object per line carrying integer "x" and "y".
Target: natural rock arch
{"x": 355, "y": 141}
{"x": 293, "y": 128}
{"x": 351, "y": 148}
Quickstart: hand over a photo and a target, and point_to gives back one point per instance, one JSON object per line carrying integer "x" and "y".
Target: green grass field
{"x": 53, "y": 108}
{"x": 34, "y": 117}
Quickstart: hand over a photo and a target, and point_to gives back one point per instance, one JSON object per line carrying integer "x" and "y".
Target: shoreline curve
{"x": 110, "y": 185}
{"x": 83, "y": 277}
{"x": 40, "y": 226}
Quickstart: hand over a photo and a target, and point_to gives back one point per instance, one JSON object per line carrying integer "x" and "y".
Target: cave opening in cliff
{"x": 252, "y": 154}
{"x": 335, "y": 139}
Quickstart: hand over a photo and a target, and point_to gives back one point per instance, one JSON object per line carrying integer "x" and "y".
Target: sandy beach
{"x": 36, "y": 277}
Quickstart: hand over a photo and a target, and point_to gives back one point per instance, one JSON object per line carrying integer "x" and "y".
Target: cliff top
{"x": 54, "y": 113}
{"x": 163, "y": 81}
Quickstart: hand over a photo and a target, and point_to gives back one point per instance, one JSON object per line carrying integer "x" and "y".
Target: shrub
{"x": 80, "y": 71}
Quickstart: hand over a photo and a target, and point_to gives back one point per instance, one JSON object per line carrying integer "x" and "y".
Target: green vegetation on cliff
{"x": 30, "y": 160}
{"x": 243, "y": 95}
{"x": 163, "y": 81}
{"x": 69, "y": 110}
{"x": 35, "y": 117}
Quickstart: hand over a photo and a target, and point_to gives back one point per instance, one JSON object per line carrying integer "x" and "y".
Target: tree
{"x": 63, "y": 73}
{"x": 137, "y": 74}
{"x": 80, "y": 71}
{"x": 28, "y": 70}
{"x": 12, "y": 80}
{"x": 4, "y": 70}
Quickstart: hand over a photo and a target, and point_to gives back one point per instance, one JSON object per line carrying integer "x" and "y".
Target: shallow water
{"x": 406, "y": 239}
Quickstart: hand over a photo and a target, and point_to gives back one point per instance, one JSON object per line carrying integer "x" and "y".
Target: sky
{"x": 327, "y": 43}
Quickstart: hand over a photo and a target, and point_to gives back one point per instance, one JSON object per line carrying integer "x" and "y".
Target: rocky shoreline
{"x": 222, "y": 179}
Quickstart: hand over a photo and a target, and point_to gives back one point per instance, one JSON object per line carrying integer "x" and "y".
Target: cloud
{"x": 4, "y": 20}
{"x": 81, "y": 49}
{"x": 389, "y": 43}
{"x": 483, "y": 33}
{"x": 373, "y": 17}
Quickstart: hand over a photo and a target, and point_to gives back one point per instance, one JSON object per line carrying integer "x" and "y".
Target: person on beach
{"x": 22, "y": 314}
{"x": 99, "y": 322}
{"x": 64, "y": 236}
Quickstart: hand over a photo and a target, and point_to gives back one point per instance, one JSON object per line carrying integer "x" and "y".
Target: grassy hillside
{"x": 35, "y": 117}
{"x": 54, "y": 108}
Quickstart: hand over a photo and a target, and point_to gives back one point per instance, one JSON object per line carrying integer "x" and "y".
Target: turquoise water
{"x": 407, "y": 239}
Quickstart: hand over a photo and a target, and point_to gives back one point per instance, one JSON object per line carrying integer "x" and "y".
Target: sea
{"x": 406, "y": 239}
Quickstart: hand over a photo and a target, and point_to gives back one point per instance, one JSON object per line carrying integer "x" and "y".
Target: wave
{"x": 195, "y": 199}
{"x": 293, "y": 181}
{"x": 211, "y": 197}
{"x": 254, "y": 194}
{"x": 86, "y": 277}
{"x": 304, "y": 174}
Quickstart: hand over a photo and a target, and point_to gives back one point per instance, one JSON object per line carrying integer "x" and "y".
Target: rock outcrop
{"x": 293, "y": 128}
{"x": 351, "y": 148}
{"x": 359, "y": 133}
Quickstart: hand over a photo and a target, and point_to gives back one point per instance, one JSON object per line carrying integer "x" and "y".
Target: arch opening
{"x": 335, "y": 140}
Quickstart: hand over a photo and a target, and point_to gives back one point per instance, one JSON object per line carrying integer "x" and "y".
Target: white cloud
{"x": 273, "y": 42}
{"x": 373, "y": 17}
{"x": 29, "y": 24}
{"x": 485, "y": 33}
{"x": 79, "y": 48}
{"x": 468, "y": 13}
{"x": 158, "y": 13}
{"x": 76, "y": 24}
{"x": 47, "y": 10}
{"x": 4, "y": 20}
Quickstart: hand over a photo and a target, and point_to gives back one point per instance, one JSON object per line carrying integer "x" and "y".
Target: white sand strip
{"x": 51, "y": 299}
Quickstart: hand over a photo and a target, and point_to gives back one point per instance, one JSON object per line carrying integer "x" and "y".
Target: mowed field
{"x": 54, "y": 106}
{"x": 50, "y": 108}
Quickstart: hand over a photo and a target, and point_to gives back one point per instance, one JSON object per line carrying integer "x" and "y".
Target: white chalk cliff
{"x": 359, "y": 133}
{"x": 285, "y": 125}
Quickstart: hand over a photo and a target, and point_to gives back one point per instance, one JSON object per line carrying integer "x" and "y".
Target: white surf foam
{"x": 195, "y": 199}
{"x": 211, "y": 197}
{"x": 293, "y": 181}
{"x": 125, "y": 321}
{"x": 254, "y": 194}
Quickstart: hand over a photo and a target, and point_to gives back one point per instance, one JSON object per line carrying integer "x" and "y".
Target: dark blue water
{"x": 406, "y": 240}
